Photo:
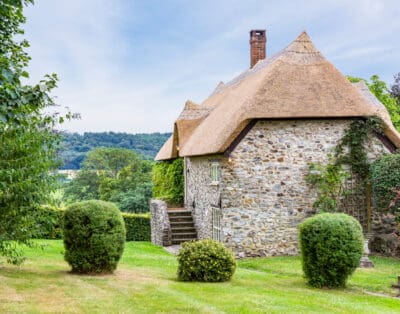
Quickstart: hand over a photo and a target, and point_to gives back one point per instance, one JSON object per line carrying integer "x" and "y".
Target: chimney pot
{"x": 258, "y": 41}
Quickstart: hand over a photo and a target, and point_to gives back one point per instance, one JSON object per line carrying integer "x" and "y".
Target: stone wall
{"x": 160, "y": 226}
{"x": 263, "y": 192}
{"x": 201, "y": 193}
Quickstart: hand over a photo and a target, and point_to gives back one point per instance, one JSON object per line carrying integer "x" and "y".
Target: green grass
{"x": 145, "y": 282}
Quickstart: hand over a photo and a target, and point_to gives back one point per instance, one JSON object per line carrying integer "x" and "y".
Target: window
{"x": 215, "y": 173}
{"x": 216, "y": 223}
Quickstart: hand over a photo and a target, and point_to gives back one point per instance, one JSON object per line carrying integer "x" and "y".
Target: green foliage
{"x": 205, "y": 260}
{"x": 48, "y": 222}
{"x": 85, "y": 186}
{"x": 385, "y": 181}
{"x": 381, "y": 91}
{"x": 137, "y": 227}
{"x": 29, "y": 144}
{"x": 331, "y": 248}
{"x": 94, "y": 236}
{"x": 351, "y": 149}
{"x": 110, "y": 160}
{"x": 168, "y": 181}
{"x": 113, "y": 174}
{"x": 76, "y": 146}
{"x": 136, "y": 201}
{"x": 329, "y": 182}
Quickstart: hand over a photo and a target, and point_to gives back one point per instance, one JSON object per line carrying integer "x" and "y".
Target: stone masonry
{"x": 262, "y": 192}
{"x": 160, "y": 226}
{"x": 201, "y": 193}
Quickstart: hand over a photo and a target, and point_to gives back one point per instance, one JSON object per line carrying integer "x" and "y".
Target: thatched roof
{"x": 297, "y": 82}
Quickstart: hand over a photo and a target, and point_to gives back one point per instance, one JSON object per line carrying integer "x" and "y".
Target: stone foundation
{"x": 160, "y": 226}
{"x": 385, "y": 238}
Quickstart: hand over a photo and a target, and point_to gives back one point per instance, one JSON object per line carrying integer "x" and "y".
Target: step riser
{"x": 181, "y": 219}
{"x": 182, "y": 237}
{"x": 175, "y": 225}
{"x": 186, "y": 230}
{"x": 189, "y": 214}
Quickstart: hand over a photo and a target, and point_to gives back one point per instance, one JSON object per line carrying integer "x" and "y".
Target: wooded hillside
{"x": 76, "y": 146}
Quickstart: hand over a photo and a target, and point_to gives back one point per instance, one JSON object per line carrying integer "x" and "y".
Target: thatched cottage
{"x": 248, "y": 146}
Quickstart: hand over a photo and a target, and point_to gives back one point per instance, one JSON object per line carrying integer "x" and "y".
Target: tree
{"x": 113, "y": 174}
{"x": 28, "y": 150}
{"x": 110, "y": 160}
{"x": 381, "y": 91}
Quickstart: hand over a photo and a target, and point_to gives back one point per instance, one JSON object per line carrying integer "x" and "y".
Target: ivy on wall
{"x": 351, "y": 149}
{"x": 351, "y": 152}
{"x": 168, "y": 181}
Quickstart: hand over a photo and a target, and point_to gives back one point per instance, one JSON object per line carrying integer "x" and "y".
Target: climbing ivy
{"x": 351, "y": 149}
{"x": 329, "y": 182}
{"x": 168, "y": 181}
{"x": 351, "y": 152}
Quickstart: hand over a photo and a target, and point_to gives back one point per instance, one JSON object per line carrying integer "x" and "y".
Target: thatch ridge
{"x": 297, "y": 82}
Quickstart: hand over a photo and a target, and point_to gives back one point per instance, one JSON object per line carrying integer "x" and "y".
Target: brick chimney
{"x": 257, "y": 46}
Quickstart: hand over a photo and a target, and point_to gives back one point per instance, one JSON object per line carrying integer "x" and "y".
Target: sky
{"x": 130, "y": 65}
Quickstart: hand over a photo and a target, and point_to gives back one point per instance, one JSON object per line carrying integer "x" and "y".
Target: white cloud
{"x": 130, "y": 65}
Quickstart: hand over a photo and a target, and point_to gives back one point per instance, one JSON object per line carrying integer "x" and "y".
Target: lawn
{"x": 145, "y": 282}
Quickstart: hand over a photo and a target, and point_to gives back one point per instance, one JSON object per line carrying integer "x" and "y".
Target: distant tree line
{"x": 76, "y": 146}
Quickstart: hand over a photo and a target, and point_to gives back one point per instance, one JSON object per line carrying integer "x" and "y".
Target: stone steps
{"x": 182, "y": 225}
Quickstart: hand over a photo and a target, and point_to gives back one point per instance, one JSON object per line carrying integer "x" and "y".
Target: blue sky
{"x": 130, "y": 65}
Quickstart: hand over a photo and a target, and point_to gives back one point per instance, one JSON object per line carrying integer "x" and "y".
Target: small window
{"x": 215, "y": 173}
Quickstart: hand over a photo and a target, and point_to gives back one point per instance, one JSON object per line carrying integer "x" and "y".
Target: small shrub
{"x": 205, "y": 260}
{"x": 137, "y": 227}
{"x": 94, "y": 236}
{"x": 331, "y": 248}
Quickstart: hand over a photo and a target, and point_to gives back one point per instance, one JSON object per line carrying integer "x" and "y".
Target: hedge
{"x": 137, "y": 227}
{"x": 49, "y": 224}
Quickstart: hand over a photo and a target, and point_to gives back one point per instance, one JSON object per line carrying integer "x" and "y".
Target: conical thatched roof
{"x": 297, "y": 82}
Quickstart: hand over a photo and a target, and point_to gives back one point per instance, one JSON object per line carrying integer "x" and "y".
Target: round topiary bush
{"x": 331, "y": 248}
{"x": 94, "y": 236}
{"x": 205, "y": 260}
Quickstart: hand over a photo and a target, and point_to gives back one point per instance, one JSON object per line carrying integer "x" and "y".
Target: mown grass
{"x": 145, "y": 282}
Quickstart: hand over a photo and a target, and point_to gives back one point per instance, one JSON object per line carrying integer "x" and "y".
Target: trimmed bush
{"x": 94, "y": 236}
{"x": 331, "y": 248}
{"x": 385, "y": 179}
{"x": 205, "y": 260}
{"x": 137, "y": 227}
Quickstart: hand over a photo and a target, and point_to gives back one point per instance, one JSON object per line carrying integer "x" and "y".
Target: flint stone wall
{"x": 160, "y": 226}
{"x": 263, "y": 192}
{"x": 201, "y": 193}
